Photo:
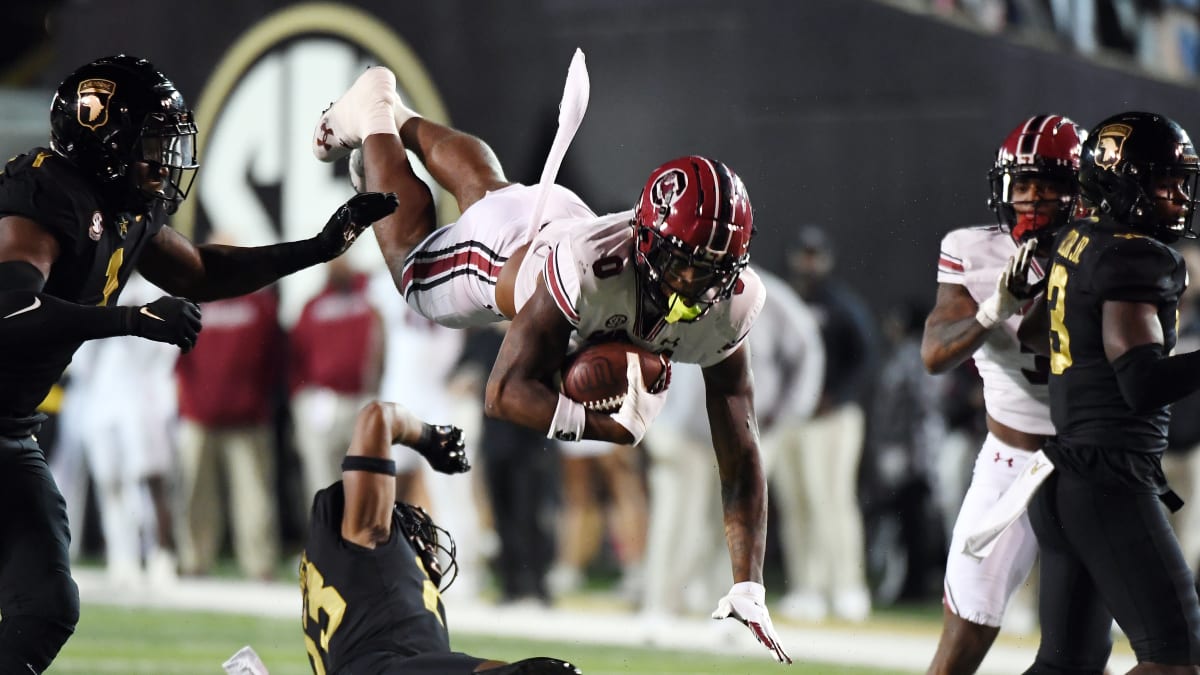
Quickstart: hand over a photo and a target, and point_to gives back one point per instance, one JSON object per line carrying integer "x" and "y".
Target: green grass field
{"x": 117, "y": 640}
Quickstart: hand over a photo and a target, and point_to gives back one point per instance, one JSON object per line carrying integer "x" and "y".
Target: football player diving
{"x": 669, "y": 276}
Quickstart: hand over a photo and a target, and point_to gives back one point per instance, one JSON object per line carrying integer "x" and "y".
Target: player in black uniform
{"x": 1112, "y": 291}
{"x": 371, "y": 600}
{"x": 75, "y": 220}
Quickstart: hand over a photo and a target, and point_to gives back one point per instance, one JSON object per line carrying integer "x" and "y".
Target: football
{"x": 595, "y": 375}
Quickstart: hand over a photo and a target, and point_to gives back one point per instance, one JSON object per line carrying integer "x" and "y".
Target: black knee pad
{"x": 538, "y": 665}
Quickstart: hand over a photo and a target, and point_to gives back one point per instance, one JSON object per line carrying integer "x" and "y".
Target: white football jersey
{"x": 589, "y": 271}
{"x": 1015, "y": 387}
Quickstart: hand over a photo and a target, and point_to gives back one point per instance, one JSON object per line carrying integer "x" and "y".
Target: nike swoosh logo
{"x": 152, "y": 315}
{"x": 37, "y": 302}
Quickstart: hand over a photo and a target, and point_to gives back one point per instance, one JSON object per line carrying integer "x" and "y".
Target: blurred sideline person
{"x": 589, "y": 468}
{"x": 130, "y": 448}
{"x": 983, "y": 282}
{"x": 335, "y": 355}
{"x": 1108, "y": 324}
{"x": 668, "y": 276}
{"x": 520, "y": 475}
{"x": 683, "y": 546}
{"x": 369, "y": 574}
{"x": 76, "y": 219}
{"x": 834, "y": 573}
{"x": 226, "y": 447}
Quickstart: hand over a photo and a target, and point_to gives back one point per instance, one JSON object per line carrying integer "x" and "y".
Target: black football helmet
{"x": 117, "y": 111}
{"x": 1121, "y": 161}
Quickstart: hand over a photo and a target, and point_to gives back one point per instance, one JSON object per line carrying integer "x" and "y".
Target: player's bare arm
{"x": 212, "y": 271}
{"x": 532, "y": 353}
{"x": 23, "y": 240}
{"x": 951, "y": 332}
{"x": 370, "y": 493}
{"x": 729, "y": 396}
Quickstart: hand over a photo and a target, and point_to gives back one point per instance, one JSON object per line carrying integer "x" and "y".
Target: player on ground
{"x": 76, "y": 219}
{"x": 369, "y": 574}
{"x": 668, "y": 276}
{"x": 1112, "y": 295}
{"x": 981, "y": 281}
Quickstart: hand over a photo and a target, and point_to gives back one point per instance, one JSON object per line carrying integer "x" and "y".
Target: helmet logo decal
{"x": 94, "y": 95}
{"x": 1109, "y": 143}
{"x": 666, "y": 191}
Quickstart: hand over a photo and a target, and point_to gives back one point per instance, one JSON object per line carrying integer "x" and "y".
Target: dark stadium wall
{"x": 875, "y": 123}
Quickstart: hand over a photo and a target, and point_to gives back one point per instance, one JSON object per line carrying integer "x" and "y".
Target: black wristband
{"x": 369, "y": 464}
{"x": 425, "y": 439}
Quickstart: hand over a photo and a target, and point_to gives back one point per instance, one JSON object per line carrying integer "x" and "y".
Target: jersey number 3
{"x": 317, "y": 598}
{"x": 1060, "y": 341}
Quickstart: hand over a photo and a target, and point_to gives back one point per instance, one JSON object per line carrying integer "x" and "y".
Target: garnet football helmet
{"x": 117, "y": 111}
{"x": 1045, "y": 147}
{"x": 694, "y": 225}
{"x": 1125, "y": 156}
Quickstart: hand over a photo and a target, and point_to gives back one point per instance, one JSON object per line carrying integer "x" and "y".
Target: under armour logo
{"x": 1002, "y": 460}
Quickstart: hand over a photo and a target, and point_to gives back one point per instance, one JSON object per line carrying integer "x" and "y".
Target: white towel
{"x": 1009, "y": 507}
{"x": 245, "y": 662}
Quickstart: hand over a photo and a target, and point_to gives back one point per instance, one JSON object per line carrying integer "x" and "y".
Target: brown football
{"x": 595, "y": 375}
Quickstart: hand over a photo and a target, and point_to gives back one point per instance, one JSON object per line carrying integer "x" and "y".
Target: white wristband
{"x": 569, "y": 417}
{"x": 989, "y": 313}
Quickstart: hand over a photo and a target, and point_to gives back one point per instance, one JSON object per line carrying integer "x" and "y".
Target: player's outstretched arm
{"x": 729, "y": 395}
{"x": 28, "y": 315}
{"x": 210, "y": 271}
{"x": 369, "y": 473}
{"x": 530, "y": 357}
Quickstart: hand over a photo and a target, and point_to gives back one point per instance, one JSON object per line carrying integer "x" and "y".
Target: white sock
{"x": 403, "y": 113}
{"x": 378, "y": 120}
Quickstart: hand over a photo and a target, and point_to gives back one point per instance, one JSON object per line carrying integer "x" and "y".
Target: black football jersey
{"x": 1097, "y": 260}
{"x": 359, "y": 600}
{"x": 98, "y": 248}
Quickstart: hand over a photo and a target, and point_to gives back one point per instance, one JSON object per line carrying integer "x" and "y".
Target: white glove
{"x": 1012, "y": 288}
{"x": 746, "y": 602}
{"x": 640, "y": 407}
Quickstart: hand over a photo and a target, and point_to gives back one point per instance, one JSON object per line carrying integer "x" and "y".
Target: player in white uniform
{"x": 983, "y": 282}
{"x": 669, "y": 276}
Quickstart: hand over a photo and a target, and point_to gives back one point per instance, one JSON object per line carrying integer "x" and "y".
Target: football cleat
{"x": 343, "y": 124}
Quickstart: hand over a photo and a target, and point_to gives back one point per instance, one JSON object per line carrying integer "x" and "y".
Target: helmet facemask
{"x": 167, "y": 141}
{"x": 1026, "y": 220}
{"x": 683, "y": 282}
{"x": 1164, "y": 199}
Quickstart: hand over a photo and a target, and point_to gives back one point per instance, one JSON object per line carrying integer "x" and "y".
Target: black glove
{"x": 352, "y": 218}
{"x": 442, "y": 446}
{"x": 172, "y": 320}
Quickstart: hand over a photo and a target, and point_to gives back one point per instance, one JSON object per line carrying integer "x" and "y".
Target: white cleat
{"x": 352, "y": 117}
{"x": 357, "y": 179}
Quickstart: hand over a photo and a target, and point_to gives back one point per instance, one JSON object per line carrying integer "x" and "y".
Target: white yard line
{"x": 869, "y": 647}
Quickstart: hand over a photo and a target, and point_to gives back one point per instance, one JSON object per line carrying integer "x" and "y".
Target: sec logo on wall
{"x": 259, "y": 182}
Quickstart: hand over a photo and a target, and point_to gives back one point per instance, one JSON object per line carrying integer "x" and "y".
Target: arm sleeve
{"x": 28, "y": 315}
{"x": 1149, "y": 379}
